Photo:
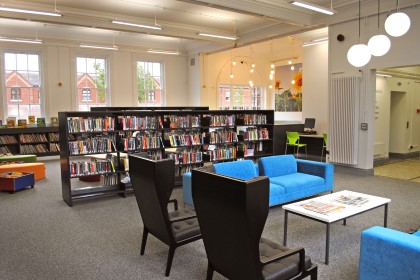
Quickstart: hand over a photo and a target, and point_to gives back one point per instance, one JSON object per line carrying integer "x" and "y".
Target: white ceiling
{"x": 89, "y": 21}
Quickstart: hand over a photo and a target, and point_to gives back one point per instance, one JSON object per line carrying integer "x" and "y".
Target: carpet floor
{"x": 43, "y": 238}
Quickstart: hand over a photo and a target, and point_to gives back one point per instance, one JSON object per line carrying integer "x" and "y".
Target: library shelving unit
{"x": 96, "y": 143}
{"x": 41, "y": 141}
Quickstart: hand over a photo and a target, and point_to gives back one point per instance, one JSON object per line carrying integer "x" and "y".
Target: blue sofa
{"x": 388, "y": 254}
{"x": 290, "y": 178}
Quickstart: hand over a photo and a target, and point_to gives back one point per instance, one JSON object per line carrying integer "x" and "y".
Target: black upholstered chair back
{"x": 153, "y": 182}
{"x": 232, "y": 214}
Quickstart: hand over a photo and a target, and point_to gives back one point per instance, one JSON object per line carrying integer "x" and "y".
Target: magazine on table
{"x": 324, "y": 208}
{"x": 351, "y": 200}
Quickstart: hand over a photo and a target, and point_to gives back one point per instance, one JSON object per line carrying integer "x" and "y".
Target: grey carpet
{"x": 43, "y": 238}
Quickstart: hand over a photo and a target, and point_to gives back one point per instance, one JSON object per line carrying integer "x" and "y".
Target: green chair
{"x": 324, "y": 147}
{"x": 293, "y": 140}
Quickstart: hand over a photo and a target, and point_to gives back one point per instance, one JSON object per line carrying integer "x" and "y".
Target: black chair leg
{"x": 210, "y": 271}
{"x": 143, "y": 241}
{"x": 170, "y": 258}
{"x": 314, "y": 274}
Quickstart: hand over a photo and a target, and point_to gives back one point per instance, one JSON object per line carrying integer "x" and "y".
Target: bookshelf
{"x": 41, "y": 141}
{"x": 96, "y": 143}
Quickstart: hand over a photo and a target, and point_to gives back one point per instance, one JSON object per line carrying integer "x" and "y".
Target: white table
{"x": 329, "y": 209}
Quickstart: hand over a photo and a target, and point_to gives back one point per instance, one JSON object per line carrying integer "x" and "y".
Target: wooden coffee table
{"x": 332, "y": 208}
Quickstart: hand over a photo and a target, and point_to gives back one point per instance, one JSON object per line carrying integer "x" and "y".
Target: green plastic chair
{"x": 293, "y": 140}
{"x": 324, "y": 147}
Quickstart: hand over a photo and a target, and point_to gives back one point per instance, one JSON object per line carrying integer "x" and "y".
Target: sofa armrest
{"x": 320, "y": 169}
{"x": 388, "y": 254}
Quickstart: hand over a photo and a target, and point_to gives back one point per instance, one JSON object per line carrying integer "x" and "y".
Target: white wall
{"x": 216, "y": 69}
{"x": 402, "y": 53}
{"x": 59, "y": 62}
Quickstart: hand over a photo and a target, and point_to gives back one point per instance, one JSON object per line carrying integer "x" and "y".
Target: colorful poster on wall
{"x": 288, "y": 88}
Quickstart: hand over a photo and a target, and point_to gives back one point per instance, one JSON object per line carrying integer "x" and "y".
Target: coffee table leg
{"x": 285, "y": 228}
{"x": 327, "y": 247}
{"x": 386, "y": 216}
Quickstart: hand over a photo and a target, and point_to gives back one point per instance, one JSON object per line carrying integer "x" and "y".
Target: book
{"x": 322, "y": 207}
{"x": 40, "y": 122}
{"x": 54, "y": 121}
{"x": 31, "y": 120}
{"x": 351, "y": 200}
{"x": 22, "y": 123}
{"x": 11, "y": 121}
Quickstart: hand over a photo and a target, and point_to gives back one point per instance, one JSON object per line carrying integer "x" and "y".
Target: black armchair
{"x": 232, "y": 214}
{"x": 153, "y": 182}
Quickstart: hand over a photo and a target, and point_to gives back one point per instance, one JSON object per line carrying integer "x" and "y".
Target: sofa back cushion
{"x": 274, "y": 166}
{"x": 241, "y": 169}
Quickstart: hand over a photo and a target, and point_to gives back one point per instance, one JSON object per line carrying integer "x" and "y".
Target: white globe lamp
{"x": 397, "y": 24}
{"x": 359, "y": 55}
{"x": 379, "y": 45}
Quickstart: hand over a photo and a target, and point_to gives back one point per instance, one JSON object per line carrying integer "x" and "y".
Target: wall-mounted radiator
{"x": 344, "y": 120}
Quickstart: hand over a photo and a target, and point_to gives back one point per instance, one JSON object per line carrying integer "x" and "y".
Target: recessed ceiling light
{"x": 156, "y": 27}
{"x": 17, "y": 40}
{"x": 114, "y": 48}
{"x": 218, "y": 36}
{"x": 313, "y": 7}
{"x": 164, "y": 52}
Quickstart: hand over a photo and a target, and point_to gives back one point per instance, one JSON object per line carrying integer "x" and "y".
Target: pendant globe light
{"x": 359, "y": 54}
{"x": 397, "y": 24}
{"x": 379, "y": 44}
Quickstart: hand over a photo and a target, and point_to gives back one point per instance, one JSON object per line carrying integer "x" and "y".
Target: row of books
{"x": 156, "y": 155}
{"x": 91, "y": 168}
{"x": 141, "y": 143}
{"x": 222, "y": 120}
{"x": 253, "y": 133}
{"x": 222, "y": 136}
{"x": 5, "y": 151}
{"x": 221, "y": 154}
{"x": 82, "y": 124}
{"x": 175, "y": 121}
{"x": 91, "y": 145}
{"x": 54, "y": 147}
{"x": 177, "y": 140}
{"x": 252, "y": 119}
{"x": 33, "y": 149}
{"x": 30, "y": 138}
{"x": 186, "y": 157}
{"x": 54, "y": 137}
{"x": 146, "y": 122}
{"x": 8, "y": 139}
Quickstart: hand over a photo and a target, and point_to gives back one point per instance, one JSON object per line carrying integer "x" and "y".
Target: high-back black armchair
{"x": 153, "y": 182}
{"x": 232, "y": 214}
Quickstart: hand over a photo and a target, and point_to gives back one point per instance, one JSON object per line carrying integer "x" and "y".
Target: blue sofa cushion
{"x": 417, "y": 233}
{"x": 242, "y": 169}
{"x": 274, "y": 166}
{"x": 297, "y": 181}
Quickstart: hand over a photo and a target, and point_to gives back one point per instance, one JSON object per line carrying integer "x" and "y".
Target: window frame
{"x": 39, "y": 87}
{"x": 256, "y": 97}
{"x": 150, "y": 94}
{"x": 84, "y": 104}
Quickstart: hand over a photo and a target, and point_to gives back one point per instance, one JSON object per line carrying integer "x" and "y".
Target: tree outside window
{"x": 22, "y": 80}
{"x": 149, "y": 83}
{"x": 92, "y": 83}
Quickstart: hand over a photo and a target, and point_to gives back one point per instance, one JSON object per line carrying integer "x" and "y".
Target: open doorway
{"x": 397, "y": 118}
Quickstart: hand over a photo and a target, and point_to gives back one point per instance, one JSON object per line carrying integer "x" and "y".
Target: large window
{"x": 239, "y": 97}
{"x": 22, "y": 82}
{"x": 92, "y": 83}
{"x": 149, "y": 84}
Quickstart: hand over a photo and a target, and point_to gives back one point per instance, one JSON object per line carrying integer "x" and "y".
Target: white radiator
{"x": 344, "y": 120}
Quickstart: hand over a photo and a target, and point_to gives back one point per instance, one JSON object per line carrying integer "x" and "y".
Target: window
{"x": 86, "y": 95}
{"x": 149, "y": 84}
{"x": 240, "y": 97}
{"x": 15, "y": 94}
{"x": 92, "y": 82}
{"x": 22, "y": 82}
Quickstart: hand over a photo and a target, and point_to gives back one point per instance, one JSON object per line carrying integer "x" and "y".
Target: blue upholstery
{"x": 298, "y": 178}
{"x": 243, "y": 169}
{"x": 290, "y": 178}
{"x": 387, "y": 254}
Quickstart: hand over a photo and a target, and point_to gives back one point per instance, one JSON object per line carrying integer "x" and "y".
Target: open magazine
{"x": 351, "y": 200}
{"x": 322, "y": 207}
